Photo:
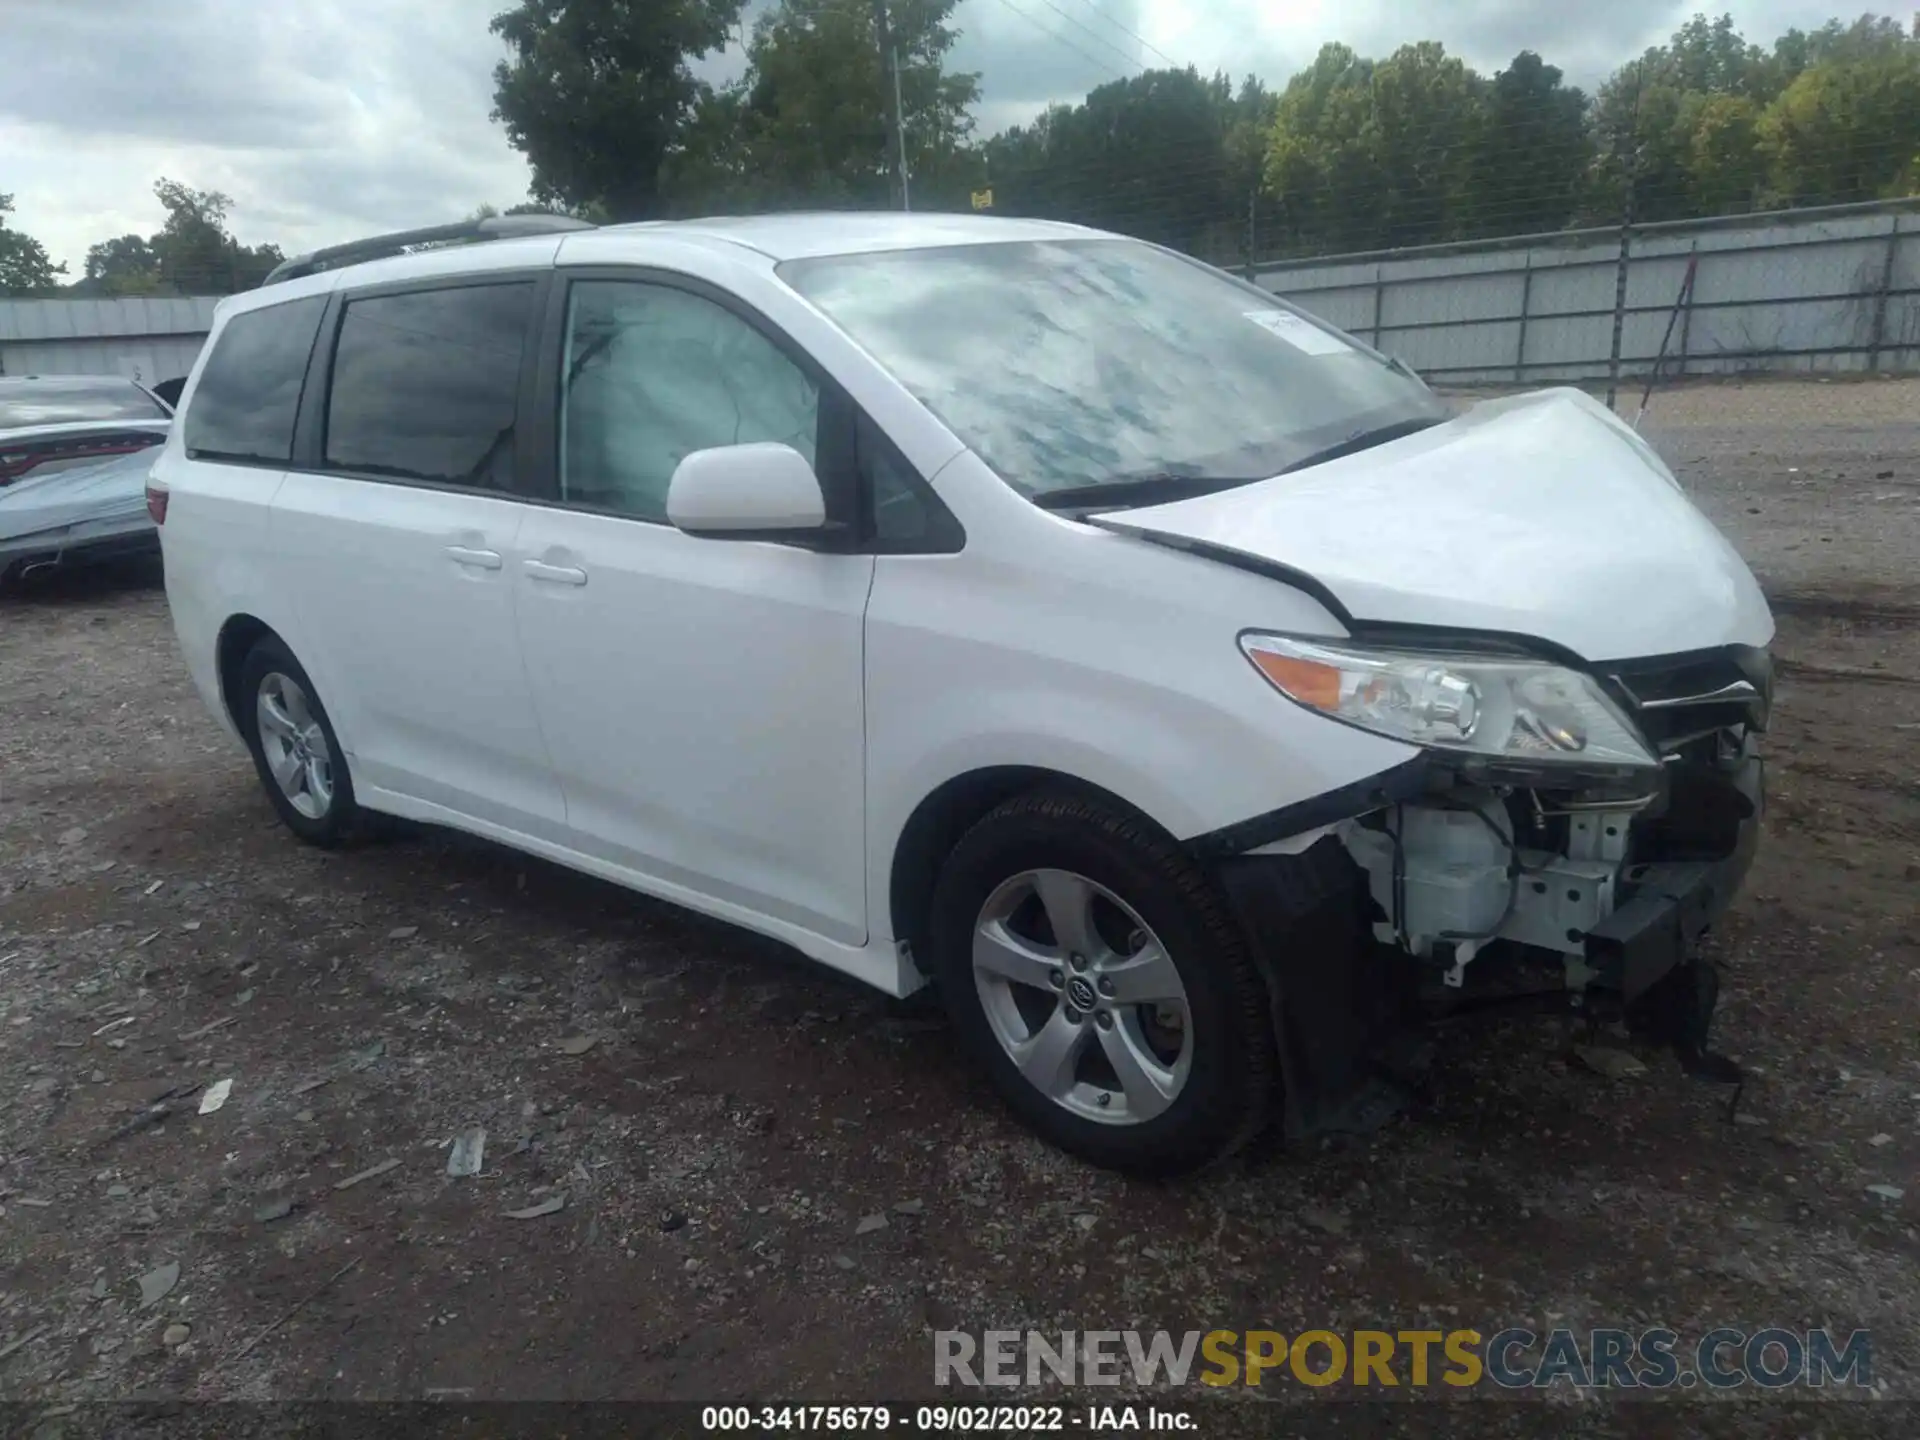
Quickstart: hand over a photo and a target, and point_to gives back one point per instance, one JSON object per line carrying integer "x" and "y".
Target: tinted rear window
{"x": 426, "y": 386}
{"x": 249, "y": 392}
{"x": 67, "y": 399}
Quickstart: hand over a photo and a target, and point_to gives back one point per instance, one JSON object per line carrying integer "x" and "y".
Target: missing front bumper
{"x": 1349, "y": 1013}
{"x": 1658, "y": 924}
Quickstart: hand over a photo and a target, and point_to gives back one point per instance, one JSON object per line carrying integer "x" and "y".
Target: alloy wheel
{"x": 1082, "y": 996}
{"x": 295, "y": 746}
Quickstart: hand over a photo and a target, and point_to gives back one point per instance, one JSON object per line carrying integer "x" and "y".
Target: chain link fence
{"x": 1831, "y": 290}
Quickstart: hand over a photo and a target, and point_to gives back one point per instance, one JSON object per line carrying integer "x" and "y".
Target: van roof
{"x": 513, "y": 241}
{"x": 795, "y": 236}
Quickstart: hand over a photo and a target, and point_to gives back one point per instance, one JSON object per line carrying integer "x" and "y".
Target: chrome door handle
{"x": 478, "y": 559}
{"x": 554, "y": 574}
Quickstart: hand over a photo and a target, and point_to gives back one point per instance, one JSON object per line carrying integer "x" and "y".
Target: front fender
{"x": 1182, "y": 777}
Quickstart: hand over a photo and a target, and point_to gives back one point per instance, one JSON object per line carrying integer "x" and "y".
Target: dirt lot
{"x": 738, "y": 1112}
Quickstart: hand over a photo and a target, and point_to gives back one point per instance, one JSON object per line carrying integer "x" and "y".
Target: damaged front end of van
{"x": 1579, "y": 664}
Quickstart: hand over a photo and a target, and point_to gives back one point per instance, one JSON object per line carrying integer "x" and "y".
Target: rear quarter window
{"x": 243, "y": 409}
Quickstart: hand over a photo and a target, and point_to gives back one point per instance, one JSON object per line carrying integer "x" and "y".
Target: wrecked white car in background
{"x": 74, "y": 455}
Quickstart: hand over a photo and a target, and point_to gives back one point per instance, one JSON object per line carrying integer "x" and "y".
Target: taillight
{"x": 157, "y": 502}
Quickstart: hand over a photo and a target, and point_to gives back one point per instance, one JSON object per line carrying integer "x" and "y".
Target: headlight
{"x": 1521, "y": 714}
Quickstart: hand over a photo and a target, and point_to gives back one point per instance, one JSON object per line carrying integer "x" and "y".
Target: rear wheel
{"x": 294, "y": 747}
{"x": 1093, "y": 971}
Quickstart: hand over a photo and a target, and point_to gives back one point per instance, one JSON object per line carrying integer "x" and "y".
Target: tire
{"x": 324, "y": 815}
{"x": 1215, "y": 1073}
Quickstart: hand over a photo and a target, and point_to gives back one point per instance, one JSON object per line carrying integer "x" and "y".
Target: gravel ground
{"x": 717, "y": 1117}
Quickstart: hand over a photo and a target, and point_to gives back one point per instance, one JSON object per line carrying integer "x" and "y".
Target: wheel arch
{"x": 237, "y": 638}
{"x": 948, "y": 812}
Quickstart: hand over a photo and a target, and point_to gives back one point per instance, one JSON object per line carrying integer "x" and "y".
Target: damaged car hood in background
{"x": 1539, "y": 515}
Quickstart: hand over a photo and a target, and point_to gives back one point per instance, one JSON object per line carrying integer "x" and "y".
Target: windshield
{"x": 60, "y": 400}
{"x": 1078, "y": 363}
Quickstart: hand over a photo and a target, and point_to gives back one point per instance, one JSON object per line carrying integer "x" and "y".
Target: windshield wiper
{"x": 1154, "y": 489}
{"x": 1365, "y": 440}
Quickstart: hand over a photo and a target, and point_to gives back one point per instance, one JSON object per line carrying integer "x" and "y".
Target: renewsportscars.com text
{"x": 1513, "y": 1358}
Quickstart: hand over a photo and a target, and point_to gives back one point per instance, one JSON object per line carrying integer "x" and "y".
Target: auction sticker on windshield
{"x": 1299, "y": 333}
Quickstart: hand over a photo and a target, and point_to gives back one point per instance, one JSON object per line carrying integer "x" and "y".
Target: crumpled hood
{"x": 113, "y": 490}
{"x": 1540, "y": 515}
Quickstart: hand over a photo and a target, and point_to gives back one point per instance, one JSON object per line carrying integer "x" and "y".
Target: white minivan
{"x": 1175, "y": 681}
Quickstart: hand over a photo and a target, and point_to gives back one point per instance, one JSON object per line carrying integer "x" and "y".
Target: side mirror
{"x": 746, "y": 492}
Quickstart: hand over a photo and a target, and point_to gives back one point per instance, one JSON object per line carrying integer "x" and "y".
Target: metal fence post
{"x": 1379, "y": 294}
{"x": 1880, "y": 299}
{"x": 1619, "y": 303}
{"x": 1253, "y": 229}
{"x": 1686, "y": 316}
{"x": 1632, "y": 168}
{"x": 1520, "y": 344}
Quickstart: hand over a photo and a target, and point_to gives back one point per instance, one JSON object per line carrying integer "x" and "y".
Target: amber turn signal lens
{"x": 1304, "y": 680}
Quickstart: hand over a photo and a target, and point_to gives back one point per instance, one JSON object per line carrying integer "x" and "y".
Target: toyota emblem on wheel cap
{"x": 1080, "y": 994}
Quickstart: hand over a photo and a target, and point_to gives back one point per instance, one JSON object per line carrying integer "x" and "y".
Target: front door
{"x": 701, "y": 699}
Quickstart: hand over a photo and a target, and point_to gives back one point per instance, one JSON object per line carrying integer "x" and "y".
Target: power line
{"x": 1054, "y": 35}
{"x": 1133, "y": 34}
{"x": 1097, "y": 36}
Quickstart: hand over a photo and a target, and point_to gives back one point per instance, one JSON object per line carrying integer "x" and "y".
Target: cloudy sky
{"x": 327, "y": 119}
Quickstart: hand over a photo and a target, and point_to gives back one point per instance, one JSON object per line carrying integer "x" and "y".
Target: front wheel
{"x": 1093, "y": 971}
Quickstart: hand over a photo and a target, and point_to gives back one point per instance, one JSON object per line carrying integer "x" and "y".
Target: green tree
{"x": 1353, "y": 153}
{"x": 195, "y": 253}
{"x": 1640, "y": 145}
{"x": 1427, "y": 122}
{"x": 1248, "y": 122}
{"x": 1016, "y": 165}
{"x": 1143, "y": 156}
{"x": 1367, "y": 154}
{"x": 1725, "y": 164}
{"x": 1534, "y": 148}
{"x": 1647, "y": 122}
{"x": 807, "y": 124}
{"x": 1711, "y": 57}
{"x": 714, "y": 166}
{"x": 1708, "y": 124}
{"x": 1319, "y": 161}
{"x": 192, "y": 253}
{"x": 193, "y": 247}
{"x": 1867, "y": 38}
{"x": 124, "y": 265}
{"x": 597, "y": 93}
{"x": 25, "y": 266}
{"x": 1846, "y": 130}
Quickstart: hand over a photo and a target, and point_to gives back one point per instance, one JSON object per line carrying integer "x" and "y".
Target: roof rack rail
{"x": 376, "y": 247}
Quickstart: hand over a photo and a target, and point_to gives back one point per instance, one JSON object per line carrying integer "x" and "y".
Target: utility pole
{"x": 896, "y": 128}
{"x": 900, "y": 136}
